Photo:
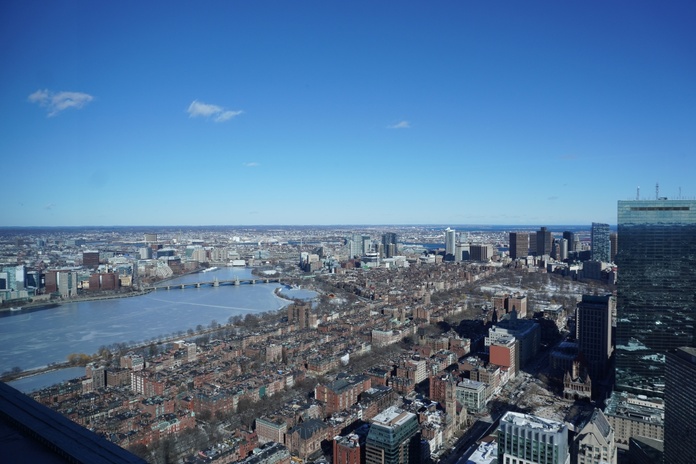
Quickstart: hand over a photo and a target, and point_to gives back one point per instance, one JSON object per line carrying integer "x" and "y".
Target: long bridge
{"x": 216, "y": 283}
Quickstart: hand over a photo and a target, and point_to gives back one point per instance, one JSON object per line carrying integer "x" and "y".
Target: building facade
{"x": 471, "y": 394}
{"x": 594, "y": 441}
{"x": 90, "y": 259}
{"x": 593, "y": 332}
{"x": 613, "y": 243}
{"x": 389, "y": 245}
{"x": 504, "y": 352}
{"x": 356, "y": 245}
{"x": 481, "y": 252}
{"x": 527, "y": 439}
{"x": 450, "y": 242}
{"x": 635, "y": 416}
{"x": 519, "y": 245}
{"x": 544, "y": 242}
{"x": 341, "y": 393}
{"x": 570, "y": 236}
{"x": 601, "y": 245}
{"x": 64, "y": 282}
{"x": 680, "y": 406}
{"x": 305, "y": 438}
{"x": 347, "y": 449}
{"x": 656, "y": 309}
{"x": 393, "y": 438}
{"x": 526, "y": 331}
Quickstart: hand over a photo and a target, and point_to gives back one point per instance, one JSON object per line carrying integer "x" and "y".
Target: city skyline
{"x": 272, "y": 113}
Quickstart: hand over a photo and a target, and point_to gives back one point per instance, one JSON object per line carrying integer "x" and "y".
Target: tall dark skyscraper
{"x": 544, "y": 242}
{"x": 593, "y": 321}
{"x": 680, "y": 406}
{"x": 519, "y": 245}
{"x": 568, "y": 235}
{"x": 656, "y": 289}
{"x": 389, "y": 244}
{"x": 601, "y": 245}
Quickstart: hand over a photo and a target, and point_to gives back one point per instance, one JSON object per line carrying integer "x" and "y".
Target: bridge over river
{"x": 216, "y": 283}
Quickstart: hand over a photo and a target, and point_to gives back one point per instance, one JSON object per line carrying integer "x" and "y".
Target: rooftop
{"x": 527, "y": 420}
{"x": 636, "y": 407}
{"x": 471, "y": 384}
{"x": 392, "y": 417}
{"x": 486, "y": 453}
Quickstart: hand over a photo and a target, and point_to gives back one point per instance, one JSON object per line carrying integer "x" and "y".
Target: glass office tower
{"x": 680, "y": 406}
{"x": 393, "y": 438}
{"x": 656, "y": 293}
{"x": 389, "y": 245}
{"x": 601, "y": 245}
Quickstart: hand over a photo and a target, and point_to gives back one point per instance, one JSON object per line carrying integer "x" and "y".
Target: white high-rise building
{"x": 563, "y": 247}
{"x": 450, "y": 241}
{"x": 356, "y": 246}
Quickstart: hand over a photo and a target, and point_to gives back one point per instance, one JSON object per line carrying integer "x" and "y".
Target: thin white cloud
{"x": 400, "y": 125}
{"x": 197, "y": 108}
{"x": 55, "y": 102}
{"x": 225, "y": 115}
{"x": 206, "y": 110}
{"x": 253, "y": 164}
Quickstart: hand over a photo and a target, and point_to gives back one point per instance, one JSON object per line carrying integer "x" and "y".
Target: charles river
{"x": 34, "y": 339}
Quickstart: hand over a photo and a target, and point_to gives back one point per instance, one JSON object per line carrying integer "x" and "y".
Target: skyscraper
{"x": 593, "y": 322}
{"x": 568, "y": 235}
{"x": 389, "y": 244}
{"x": 450, "y": 242}
{"x": 680, "y": 406}
{"x": 356, "y": 245}
{"x": 519, "y": 245}
{"x": 656, "y": 289}
{"x": 544, "y": 242}
{"x": 393, "y": 438}
{"x": 601, "y": 246}
{"x": 563, "y": 249}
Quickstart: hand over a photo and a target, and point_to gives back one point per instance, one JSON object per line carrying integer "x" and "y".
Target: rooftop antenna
{"x": 657, "y": 191}
{"x": 680, "y": 193}
{"x": 638, "y": 193}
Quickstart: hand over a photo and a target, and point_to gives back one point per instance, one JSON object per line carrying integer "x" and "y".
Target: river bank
{"x": 301, "y": 295}
{"x": 70, "y": 371}
{"x": 51, "y": 304}
{"x": 13, "y": 377}
{"x": 34, "y": 341}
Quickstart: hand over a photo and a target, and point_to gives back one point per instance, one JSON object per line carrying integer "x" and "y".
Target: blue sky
{"x": 374, "y": 112}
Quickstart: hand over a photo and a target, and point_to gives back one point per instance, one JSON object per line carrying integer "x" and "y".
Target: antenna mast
{"x": 638, "y": 193}
{"x": 657, "y": 191}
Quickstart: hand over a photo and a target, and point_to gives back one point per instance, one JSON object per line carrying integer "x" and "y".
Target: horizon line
{"x": 432, "y": 224}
